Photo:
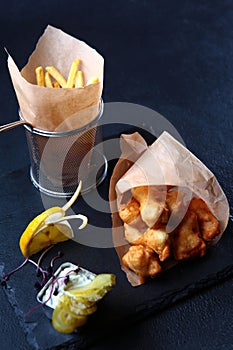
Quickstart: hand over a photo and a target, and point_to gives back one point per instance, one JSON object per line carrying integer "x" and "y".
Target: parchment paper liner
{"x": 165, "y": 162}
{"x": 47, "y": 108}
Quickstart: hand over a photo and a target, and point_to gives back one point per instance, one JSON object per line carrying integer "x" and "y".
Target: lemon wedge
{"x": 50, "y": 227}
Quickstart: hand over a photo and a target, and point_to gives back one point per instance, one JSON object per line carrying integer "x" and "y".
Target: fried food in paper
{"x": 146, "y": 223}
{"x": 158, "y": 240}
{"x": 190, "y": 207}
{"x": 130, "y": 211}
{"x": 151, "y": 203}
{"x": 134, "y": 230}
{"x": 188, "y": 243}
{"x": 142, "y": 261}
{"x": 208, "y": 223}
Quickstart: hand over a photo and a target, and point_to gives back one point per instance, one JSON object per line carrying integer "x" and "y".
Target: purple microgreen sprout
{"x": 59, "y": 255}
{"x": 42, "y": 256}
{"x": 54, "y": 290}
{"x": 7, "y": 276}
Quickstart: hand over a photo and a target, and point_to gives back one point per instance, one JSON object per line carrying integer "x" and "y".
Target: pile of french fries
{"x": 52, "y": 78}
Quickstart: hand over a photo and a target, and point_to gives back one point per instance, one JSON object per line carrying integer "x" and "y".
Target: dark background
{"x": 175, "y": 57}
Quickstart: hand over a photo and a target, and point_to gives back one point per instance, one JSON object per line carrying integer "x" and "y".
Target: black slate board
{"x": 124, "y": 305}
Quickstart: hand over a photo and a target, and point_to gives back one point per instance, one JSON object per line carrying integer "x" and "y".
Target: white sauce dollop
{"x": 54, "y": 289}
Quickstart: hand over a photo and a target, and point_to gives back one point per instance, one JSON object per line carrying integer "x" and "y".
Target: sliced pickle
{"x": 91, "y": 295}
{"x": 77, "y": 303}
{"x": 64, "y": 322}
{"x": 102, "y": 281}
{"x": 80, "y": 302}
{"x": 76, "y": 312}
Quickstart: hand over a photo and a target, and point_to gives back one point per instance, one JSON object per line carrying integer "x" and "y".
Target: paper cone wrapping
{"x": 165, "y": 162}
{"x": 62, "y": 109}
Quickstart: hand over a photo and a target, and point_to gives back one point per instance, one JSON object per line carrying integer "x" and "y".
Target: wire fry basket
{"x": 59, "y": 160}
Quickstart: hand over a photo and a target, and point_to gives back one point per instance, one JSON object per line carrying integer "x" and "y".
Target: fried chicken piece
{"x": 209, "y": 225}
{"x": 163, "y": 219}
{"x": 132, "y": 233}
{"x": 152, "y": 202}
{"x": 188, "y": 243}
{"x": 135, "y": 229}
{"x": 142, "y": 261}
{"x": 130, "y": 211}
{"x": 174, "y": 201}
{"x": 133, "y": 224}
{"x": 158, "y": 240}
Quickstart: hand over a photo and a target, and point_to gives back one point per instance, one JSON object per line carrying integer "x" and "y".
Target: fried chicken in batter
{"x": 188, "y": 243}
{"x": 158, "y": 240}
{"x": 163, "y": 219}
{"x": 160, "y": 222}
{"x": 142, "y": 261}
{"x": 130, "y": 211}
{"x": 174, "y": 200}
{"x": 133, "y": 224}
{"x": 152, "y": 203}
{"x": 132, "y": 233}
{"x": 209, "y": 225}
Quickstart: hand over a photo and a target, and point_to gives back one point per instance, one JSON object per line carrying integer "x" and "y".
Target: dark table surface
{"x": 175, "y": 57}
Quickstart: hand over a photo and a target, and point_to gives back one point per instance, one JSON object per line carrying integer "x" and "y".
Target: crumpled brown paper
{"x": 165, "y": 162}
{"x": 58, "y": 109}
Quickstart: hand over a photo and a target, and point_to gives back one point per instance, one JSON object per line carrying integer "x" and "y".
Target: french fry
{"x": 75, "y": 77}
{"x": 40, "y": 79}
{"x": 79, "y": 79}
{"x": 92, "y": 80}
{"x": 72, "y": 73}
{"x": 56, "y": 84}
{"x": 56, "y": 75}
{"x": 48, "y": 81}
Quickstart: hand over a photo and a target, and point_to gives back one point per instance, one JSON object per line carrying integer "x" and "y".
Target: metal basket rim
{"x": 64, "y": 133}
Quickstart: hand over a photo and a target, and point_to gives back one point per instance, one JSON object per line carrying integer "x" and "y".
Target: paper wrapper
{"x": 165, "y": 162}
{"x": 62, "y": 109}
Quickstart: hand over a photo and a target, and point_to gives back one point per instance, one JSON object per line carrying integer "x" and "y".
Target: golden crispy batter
{"x": 163, "y": 219}
{"x": 132, "y": 233}
{"x": 130, "y": 211}
{"x": 142, "y": 261}
{"x": 177, "y": 207}
{"x": 152, "y": 203}
{"x": 158, "y": 240}
{"x": 157, "y": 223}
{"x": 175, "y": 201}
{"x": 135, "y": 229}
{"x": 188, "y": 243}
{"x": 209, "y": 225}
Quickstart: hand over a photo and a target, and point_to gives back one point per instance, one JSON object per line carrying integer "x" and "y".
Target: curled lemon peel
{"x": 50, "y": 227}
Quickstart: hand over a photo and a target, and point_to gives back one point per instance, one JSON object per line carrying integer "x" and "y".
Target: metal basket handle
{"x": 13, "y": 125}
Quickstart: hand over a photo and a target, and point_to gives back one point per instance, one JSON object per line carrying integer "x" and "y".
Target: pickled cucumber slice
{"x": 70, "y": 324}
{"x": 63, "y": 320}
{"x": 101, "y": 281}
{"x": 77, "y": 312}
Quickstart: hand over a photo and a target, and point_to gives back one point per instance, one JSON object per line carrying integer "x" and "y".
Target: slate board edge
{"x": 150, "y": 307}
